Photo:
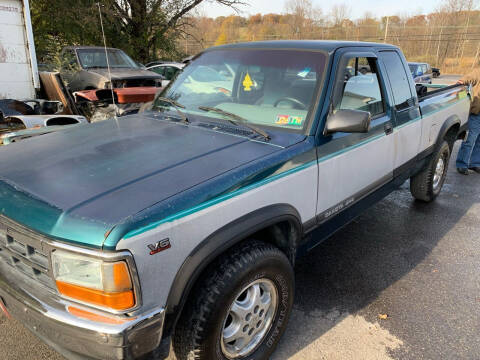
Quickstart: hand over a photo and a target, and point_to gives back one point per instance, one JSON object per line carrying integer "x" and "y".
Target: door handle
{"x": 388, "y": 128}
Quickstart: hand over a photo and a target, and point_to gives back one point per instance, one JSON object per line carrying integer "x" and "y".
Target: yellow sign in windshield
{"x": 247, "y": 83}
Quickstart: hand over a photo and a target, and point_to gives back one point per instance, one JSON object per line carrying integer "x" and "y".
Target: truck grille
{"x": 25, "y": 251}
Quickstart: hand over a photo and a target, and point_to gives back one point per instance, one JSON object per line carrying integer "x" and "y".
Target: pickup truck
{"x": 422, "y": 72}
{"x": 87, "y": 68}
{"x": 183, "y": 223}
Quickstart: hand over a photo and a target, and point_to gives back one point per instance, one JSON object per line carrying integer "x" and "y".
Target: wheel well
{"x": 452, "y": 135}
{"x": 284, "y": 234}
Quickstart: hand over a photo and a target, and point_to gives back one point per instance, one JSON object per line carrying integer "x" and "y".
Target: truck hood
{"x": 123, "y": 74}
{"x": 78, "y": 183}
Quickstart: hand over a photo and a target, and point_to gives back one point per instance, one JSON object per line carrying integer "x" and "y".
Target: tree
{"x": 339, "y": 13}
{"x": 302, "y": 16}
{"x": 141, "y": 27}
{"x": 221, "y": 40}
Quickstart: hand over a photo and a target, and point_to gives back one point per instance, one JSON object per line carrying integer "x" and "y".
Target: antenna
{"x": 106, "y": 56}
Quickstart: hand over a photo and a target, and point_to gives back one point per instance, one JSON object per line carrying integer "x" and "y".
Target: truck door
{"x": 408, "y": 127}
{"x": 353, "y": 165}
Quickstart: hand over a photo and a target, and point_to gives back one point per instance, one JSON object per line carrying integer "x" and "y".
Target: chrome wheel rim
{"x": 249, "y": 318}
{"x": 438, "y": 175}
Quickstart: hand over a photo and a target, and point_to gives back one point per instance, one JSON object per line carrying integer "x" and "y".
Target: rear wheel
{"x": 240, "y": 309}
{"x": 426, "y": 185}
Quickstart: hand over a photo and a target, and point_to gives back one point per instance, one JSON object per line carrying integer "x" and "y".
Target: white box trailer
{"x": 18, "y": 62}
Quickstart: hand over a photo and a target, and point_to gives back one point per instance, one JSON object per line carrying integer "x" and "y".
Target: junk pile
{"x": 97, "y": 104}
{"x": 33, "y": 117}
{"x": 22, "y": 119}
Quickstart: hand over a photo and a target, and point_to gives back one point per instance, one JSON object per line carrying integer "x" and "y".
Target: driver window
{"x": 160, "y": 70}
{"x": 361, "y": 87}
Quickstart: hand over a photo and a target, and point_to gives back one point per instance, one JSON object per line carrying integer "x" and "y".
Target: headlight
{"x": 93, "y": 281}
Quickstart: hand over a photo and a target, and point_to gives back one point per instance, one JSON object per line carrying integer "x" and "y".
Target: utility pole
{"x": 476, "y": 56}
{"x": 386, "y": 30}
{"x": 438, "y": 46}
{"x": 464, "y": 39}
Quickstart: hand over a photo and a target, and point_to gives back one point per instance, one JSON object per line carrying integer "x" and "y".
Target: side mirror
{"x": 348, "y": 121}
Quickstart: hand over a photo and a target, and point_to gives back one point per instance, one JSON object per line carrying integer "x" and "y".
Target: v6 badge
{"x": 159, "y": 246}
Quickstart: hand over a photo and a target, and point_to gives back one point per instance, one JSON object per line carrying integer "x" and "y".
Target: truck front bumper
{"x": 77, "y": 337}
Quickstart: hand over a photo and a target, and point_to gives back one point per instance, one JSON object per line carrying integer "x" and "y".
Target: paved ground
{"x": 446, "y": 79}
{"x": 418, "y": 264}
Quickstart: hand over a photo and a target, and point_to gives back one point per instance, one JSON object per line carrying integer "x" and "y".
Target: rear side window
{"x": 159, "y": 70}
{"x": 360, "y": 87}
{"x": 170, "y": 72}
{"x": 398, "y": 79}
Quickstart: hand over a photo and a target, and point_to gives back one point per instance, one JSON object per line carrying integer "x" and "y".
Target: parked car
{"x": 187, "y": 221}
{"x": 20, "y": 135}
{"x": 166, "y": 70}
{"x": 421, "y": 72}
{"x": 157, "y": 62}
{"x": 85, "y": 68}
{"x": 435, "y": 72}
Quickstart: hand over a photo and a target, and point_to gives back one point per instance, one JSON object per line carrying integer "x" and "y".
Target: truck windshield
{"x": 273, "y": 88}
{"x": 95, "y": 58}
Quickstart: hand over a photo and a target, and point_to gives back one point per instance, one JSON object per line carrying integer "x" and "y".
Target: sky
{"x": 379, "y": 8}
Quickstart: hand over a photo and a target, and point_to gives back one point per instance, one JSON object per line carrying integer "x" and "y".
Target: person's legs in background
{"x": 469, "y": 153}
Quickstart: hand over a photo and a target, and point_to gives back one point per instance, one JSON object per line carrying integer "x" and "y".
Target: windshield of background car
{"x": 275, "y": 88}
{"x": 95, "y": 58}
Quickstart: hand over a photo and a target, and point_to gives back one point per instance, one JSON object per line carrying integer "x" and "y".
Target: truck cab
{"x": 183, "y": 223}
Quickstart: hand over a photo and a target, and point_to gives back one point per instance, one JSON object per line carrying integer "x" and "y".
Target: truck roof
{"x": 326, "y": 45}
{"x": 417, "y": 63}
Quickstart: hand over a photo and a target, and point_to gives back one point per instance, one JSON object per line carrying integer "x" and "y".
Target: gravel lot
{"x": 400, "y": 282}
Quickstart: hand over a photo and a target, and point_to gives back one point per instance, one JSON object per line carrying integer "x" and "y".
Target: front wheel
{"x": 240, "y": 309}
{"x": 426, "y": 185}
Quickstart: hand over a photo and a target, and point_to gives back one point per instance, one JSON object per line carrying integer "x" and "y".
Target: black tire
{"x": 423, "y": 186}
{"x": 198, "y": 334}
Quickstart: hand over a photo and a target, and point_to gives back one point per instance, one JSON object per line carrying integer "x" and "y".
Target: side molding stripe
{"x": 219, "y": 199}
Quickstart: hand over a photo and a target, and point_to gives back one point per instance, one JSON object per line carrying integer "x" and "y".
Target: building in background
{"x": 18, "y": 62}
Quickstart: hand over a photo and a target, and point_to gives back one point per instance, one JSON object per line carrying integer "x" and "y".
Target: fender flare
{"x": 217, "y": 243}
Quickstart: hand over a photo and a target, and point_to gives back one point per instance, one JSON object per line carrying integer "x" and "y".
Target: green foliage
{"x": 145, "y": 29}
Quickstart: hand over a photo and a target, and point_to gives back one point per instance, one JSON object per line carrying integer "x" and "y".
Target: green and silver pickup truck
{"x": 182, "y": 224}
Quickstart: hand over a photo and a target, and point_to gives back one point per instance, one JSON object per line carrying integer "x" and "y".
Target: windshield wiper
{"x": 235, "y": 119}
{"x": 177, "y": 107}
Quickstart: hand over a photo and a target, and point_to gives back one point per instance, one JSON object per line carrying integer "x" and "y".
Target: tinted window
{"x": 361, "y": 87}
{"x": 398, "y": 79}
{"x": 159, "y": 70}
{"x": 170, "y": 72}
